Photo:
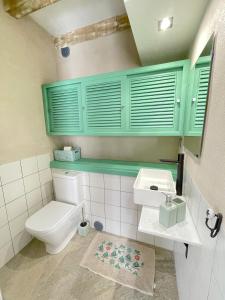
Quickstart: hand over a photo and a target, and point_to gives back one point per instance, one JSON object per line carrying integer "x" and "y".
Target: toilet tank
{"x": 67, "y": 186}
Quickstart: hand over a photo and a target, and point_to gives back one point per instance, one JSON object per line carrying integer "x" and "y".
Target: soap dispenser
{"x": 168, "y": 212}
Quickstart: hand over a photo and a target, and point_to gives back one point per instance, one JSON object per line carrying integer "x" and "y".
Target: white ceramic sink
{"x": 146, "y": 178}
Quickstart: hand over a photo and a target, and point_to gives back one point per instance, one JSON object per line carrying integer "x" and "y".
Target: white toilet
{"x": 56, "y": 223}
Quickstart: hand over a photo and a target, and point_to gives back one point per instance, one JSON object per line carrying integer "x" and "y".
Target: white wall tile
{"x": 31, "y": 182}
{"x": 4, "y": 235}
{"x": 45, "y": 176}
{"x": 127, "y": 200}
{"x": 85, "y": 179}
{"x": 202, "y": 261}
{"x": 112, "y": 212}
{"x": 88, "y": 218}
{"x": 35, "y": 208}
{"x": 98, "y": 209}
{"x": 20, "y": 241}
{"x": 127, "y": 184}
{"x": 129, "y": 231}
{"x": 202, "y": 257}
{"x": 47, "y": 191}
{"x": 34, "y": 198}
{"x": 193, "y": 203}
{"x": 86, "y": 193}
{"x": 99, "y": 219}
{"x": 112, "y": 182}
{"x": 17, "y": 225}
{"x": 128, "y": 216}
{"x": 219, "y": 262}
{"x": 13, "y": 201}
{"x": 29, "y": 166}
{"x": 181, "y": 263}
{"x": 96, "y": 180}
{"x": 145, "y": 238}
{"x": 112, "y": 197}
{"x": 97, "y": 194}
{"x": 214, "y": 291}
{"x": 6, "y": 253}
{"x": 10, "y": 172}
{"x": 13, "y": 190}
{"x": 3, "y": 216}
{"x": 43, "y": 161}
{"x": 164, "y": 243}
{"x": 87, "y": 207}
{"x": 16, "y": 208}
{"x": 113, "y": 227}
{"x": 2, "y": 202}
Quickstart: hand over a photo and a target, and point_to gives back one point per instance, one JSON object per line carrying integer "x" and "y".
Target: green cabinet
{"x": 63, "y": 111}
{"x": 197, "y": 97}
{"x": 104, "y": 109}
{"x": 155, "y": 99}
{"x": 139, "y": 102}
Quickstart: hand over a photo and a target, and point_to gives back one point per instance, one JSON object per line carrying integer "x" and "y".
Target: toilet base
{"x": 52, "y": 249}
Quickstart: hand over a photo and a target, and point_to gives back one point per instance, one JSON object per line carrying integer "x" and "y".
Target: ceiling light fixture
{"x": 165, "y": 23}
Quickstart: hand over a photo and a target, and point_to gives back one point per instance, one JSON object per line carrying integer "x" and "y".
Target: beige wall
{"x": 27, "y": 59}
{"x": 208, "y": 172}
{"x": 108, "y": 54}
{"x": 208, "y": 26}
{"x": 111, "y": 53}
{"x": 125, "y": 148}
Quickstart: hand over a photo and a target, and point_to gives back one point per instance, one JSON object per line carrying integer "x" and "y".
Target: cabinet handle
{"x": 83, "y": 107}
{"x": 193, "y": 100}
{"x": 122, "y": 106}
{"x": 178, "y": 100}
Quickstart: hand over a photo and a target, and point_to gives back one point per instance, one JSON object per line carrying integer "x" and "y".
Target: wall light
{"x": 165, "y": 23}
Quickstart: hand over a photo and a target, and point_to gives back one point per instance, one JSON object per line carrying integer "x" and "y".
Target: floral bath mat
{"x": 127, "y": 262}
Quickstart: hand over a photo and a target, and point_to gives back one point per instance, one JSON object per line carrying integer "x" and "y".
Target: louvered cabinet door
{"x": 199, "y": 99}
{"x": 155, "y": 103}
{"x": 104, "y": 107}
{"x": 63, "y": 109}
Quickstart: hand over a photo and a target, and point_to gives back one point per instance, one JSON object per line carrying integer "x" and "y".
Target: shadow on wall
{"x": 124, "y": 148}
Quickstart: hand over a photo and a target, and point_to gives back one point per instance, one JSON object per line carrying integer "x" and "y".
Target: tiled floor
{"x": 34, "y": 275}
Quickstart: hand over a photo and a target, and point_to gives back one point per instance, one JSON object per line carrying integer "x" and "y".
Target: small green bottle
{"x": 168, "y": 212}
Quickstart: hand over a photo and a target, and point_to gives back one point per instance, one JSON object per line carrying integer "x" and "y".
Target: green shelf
{"x": 115, "y": 167}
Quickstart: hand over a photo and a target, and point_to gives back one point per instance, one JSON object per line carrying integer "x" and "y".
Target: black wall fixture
{"x": 65, "y": 51}
{"x": 210, "y": 215}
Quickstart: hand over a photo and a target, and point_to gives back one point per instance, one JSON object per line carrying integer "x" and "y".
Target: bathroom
{"x": 112, "y": 149}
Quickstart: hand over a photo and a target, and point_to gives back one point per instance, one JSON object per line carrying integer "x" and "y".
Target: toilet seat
{"x": 49, "y": 218}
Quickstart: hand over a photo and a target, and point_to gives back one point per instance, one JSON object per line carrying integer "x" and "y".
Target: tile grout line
{"x": 24, "y": 187}
{"x": 7, "y": 224}
{"x": 40, "y": 185}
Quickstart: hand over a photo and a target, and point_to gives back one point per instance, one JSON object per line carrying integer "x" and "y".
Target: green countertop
{"x": 115, "y": 167}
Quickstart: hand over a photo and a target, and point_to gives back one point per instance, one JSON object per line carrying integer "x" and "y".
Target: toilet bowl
{"x": 56, "y": 223}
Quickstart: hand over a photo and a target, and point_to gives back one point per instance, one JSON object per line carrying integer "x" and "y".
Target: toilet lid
{"x": 48, "y": 217}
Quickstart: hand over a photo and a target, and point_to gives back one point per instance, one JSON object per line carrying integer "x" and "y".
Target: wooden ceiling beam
{"x": 21, "y": 8}
{"x": 94, "y": 31}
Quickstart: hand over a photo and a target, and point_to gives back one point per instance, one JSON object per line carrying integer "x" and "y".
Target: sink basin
{"x": 159, "y": 180}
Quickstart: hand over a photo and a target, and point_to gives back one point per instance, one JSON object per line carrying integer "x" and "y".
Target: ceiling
{"x": 162, "y": 46}
{"x": 68, "y": 15}
{"x": 153, "y": 46}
